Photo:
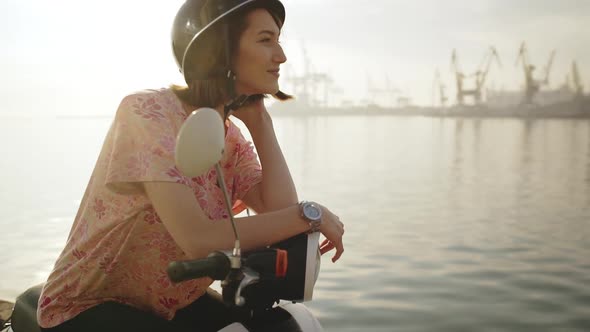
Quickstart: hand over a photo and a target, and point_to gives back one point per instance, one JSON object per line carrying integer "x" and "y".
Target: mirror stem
{"x": 237, "y": 251}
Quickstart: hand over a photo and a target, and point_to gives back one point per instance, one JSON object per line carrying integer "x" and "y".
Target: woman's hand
{"x": 251, "y": 111}
{"x": 333, "y": 229}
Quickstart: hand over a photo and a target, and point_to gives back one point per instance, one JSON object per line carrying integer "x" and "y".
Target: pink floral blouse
{"x": 118, "y": 249}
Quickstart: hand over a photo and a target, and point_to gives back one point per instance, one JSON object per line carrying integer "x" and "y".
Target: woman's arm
{"x": 276, "y": 190}
{"x": 198, "y": 236}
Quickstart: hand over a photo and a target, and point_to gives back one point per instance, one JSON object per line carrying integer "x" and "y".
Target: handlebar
{"x": 259, "y": 279}
{"x": 216, "y": 266}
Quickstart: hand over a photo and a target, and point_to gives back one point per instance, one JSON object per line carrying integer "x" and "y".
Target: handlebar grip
{"x": 216, "y": 266}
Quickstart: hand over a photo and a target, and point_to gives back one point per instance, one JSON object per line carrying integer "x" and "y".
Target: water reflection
{"x": 588, "y": 161}
{"x": 452, "y": 224}
{"x": 524, "y": 168}
{"x": 456, "y": 169}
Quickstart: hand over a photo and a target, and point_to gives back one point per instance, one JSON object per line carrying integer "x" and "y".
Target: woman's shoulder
{"x": 151, "y": 104}
{"x": 161, "y": 95}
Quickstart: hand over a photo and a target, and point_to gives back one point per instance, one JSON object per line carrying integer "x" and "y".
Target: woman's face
{"x": 259, "y": 55}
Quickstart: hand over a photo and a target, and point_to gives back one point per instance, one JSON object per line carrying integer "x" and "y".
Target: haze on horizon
{"x": 69, "y": 57}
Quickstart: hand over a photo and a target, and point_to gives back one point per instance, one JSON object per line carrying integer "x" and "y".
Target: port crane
{"x": 532, "y": 85}
{"x": 387, "y": 94}
{"x": 480, "y": 76}
{"x": 438, "y": 86}
{"x": 312, "y": 88}
{"x": 576, "y": 80}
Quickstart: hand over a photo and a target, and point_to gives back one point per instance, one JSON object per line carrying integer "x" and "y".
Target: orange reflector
{"x": 282, "y": 262}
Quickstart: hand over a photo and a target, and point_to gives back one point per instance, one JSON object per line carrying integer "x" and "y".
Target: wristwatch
{"x": 312, "y": 212}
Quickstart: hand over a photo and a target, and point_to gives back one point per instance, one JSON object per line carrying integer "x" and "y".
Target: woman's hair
{"x": 214, "y": 90}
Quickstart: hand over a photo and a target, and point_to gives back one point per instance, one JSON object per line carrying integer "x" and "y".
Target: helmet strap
{"x": 235, "y": 101}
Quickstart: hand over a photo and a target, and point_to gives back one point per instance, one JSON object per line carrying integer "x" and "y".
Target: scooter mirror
{"x": 200, "y": 142}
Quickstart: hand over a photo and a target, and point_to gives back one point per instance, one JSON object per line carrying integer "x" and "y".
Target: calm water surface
{"x": 451, "y": 224}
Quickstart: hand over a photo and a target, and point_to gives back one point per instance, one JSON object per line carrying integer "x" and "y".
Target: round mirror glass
{"x": 200, "y": 142}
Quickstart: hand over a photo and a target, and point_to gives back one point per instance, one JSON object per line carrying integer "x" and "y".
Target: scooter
{"x": 264, "y": 287}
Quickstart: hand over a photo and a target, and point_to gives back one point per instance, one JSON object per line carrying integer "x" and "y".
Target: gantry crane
{"x": 486, "y": 63}
{"x": 387, "y": 94}
{"x": 480, "y": 76}
{"x": 308, "y": 86}
{"x": 576, "y": 80}
{"x": 532, "y": 85}
{"x": 438, "y": 86}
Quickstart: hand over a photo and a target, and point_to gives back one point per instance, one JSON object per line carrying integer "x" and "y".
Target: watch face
{"x": 312, "y": 212}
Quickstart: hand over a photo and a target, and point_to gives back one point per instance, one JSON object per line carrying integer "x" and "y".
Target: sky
{"x": 71, "y": 57}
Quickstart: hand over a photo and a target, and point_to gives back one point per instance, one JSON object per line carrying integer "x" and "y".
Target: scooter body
{"x": 286, "y": 316}
{"x": 273, "y": 301}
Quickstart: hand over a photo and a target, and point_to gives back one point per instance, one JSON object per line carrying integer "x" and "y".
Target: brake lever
{"x": 250, "y": 277}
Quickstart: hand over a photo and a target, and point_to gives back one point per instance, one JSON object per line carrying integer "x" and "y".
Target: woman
{"x": 139, "y": 212}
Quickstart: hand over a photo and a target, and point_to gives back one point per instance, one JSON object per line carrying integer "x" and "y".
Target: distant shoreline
{"x": 486, "y": 115}
{"x": 578, "y": 109}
